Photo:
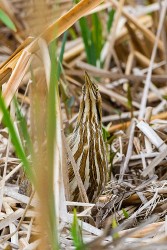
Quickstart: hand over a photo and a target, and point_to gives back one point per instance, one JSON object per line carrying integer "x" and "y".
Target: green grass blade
{"x": 125, "y": 213}
{"x": 7, "y": 21}
{"x": 53, "y": 94}
{"x": 72, "y": 33}
{"x": 61, "y": 54}
{"x": 92, "y": 38}
{"x": 110, "y": 19}
{"x": 76, "y": 233}
{"x": 130, "y": 100}
{"x": 106, "y": 134}
{"x": 114, "y": 226}
{"x": 23, "y": 129}
{"x": 87, "y": 39}
{"x": 129, "y": 97}
{"x": 86, "y": 36}
{"x": 97, "y": 36}
{"x": 15, "y": 139}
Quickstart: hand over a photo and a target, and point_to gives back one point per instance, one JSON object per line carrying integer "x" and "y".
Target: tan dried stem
{"x": 29, "y": 47}
{"x": 147, "y": 33}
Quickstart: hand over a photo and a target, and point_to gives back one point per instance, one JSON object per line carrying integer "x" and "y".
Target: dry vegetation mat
{"x": 45, "y": 49}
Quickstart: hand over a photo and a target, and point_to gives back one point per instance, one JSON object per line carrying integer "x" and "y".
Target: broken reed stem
{"x": 64, "y": 22}
{"x": 125, "y": 125}
{"x": 52, "y": 32}
{"x": 153, "y": 55}
{"x": 21, "y": 220}
{"x": 143, "y": 232}
{"x": 147, "y": 33}
{"x": 111, "y": 38}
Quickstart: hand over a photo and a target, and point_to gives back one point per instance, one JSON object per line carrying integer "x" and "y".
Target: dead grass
{"x": 132, "y": 79}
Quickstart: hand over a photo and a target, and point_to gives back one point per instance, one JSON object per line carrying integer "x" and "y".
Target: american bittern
{"x": 87, "y": 145}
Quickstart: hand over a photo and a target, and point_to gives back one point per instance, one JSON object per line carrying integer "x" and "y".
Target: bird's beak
{"x": 90, "y": 86}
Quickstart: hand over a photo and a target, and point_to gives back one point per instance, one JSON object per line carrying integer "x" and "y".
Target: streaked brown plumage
{"x": 87, "y": 145}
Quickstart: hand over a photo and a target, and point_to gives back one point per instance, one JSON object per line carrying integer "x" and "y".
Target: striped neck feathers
{"x": 91, "y": 104}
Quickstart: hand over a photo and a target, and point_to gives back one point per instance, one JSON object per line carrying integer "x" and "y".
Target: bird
{"x": 87, "y": 145}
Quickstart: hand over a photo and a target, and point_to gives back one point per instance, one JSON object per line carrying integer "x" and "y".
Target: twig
{"x": 148, "y": 79}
